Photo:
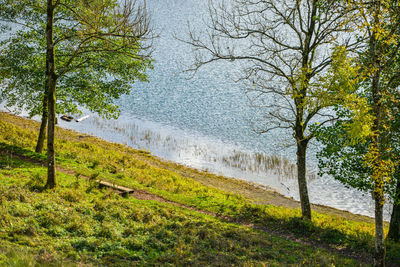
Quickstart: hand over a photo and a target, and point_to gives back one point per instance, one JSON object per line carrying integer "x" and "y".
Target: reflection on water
{"x": 200, "y": 152}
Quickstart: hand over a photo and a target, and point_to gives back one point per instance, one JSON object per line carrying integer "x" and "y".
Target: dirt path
{"x": 137, "y": 193}
{"x": 144, "y": 195}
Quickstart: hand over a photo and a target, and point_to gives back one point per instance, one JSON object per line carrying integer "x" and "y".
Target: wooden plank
{"x": 123, "y": 189}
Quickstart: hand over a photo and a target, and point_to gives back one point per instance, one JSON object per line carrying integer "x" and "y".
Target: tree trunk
{"x": 51, "y": 83}
{"x": 301, "y": 177}
{"x": 300, "y": 100}
{"x": 51, "y": 159}
{"x": 394, "y": 228}
{"x": 379, "y": 257}
{"x": 42, "y": 131}
{"x": 377, "y": 93}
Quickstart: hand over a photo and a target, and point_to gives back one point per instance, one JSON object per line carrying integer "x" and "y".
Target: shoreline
{"x": 252, "y": 191}
{"x": 200, "y": 154}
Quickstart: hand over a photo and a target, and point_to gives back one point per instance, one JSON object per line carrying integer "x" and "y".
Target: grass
{"x": 77, "y": 223}
{"x": 80, "y": 224}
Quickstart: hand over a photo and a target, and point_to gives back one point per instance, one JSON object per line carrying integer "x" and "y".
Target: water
{"x": 206, "y": 122}
{"x": 210, "y": 113}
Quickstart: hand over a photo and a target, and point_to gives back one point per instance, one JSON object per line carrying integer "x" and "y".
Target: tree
{"x": 364, "y": 148}
{"x": 93, "y": 49}
{"x": 284, "y": 46}
{"x": 343, "y": 159}
{"x": 23, "y": 86}
{"x": 394, "y": 228}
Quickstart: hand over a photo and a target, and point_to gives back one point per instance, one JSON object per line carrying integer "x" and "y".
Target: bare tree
{"x": 284, "y": 48}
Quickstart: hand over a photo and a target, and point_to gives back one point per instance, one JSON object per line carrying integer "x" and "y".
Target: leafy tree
{"x": 361, "y": 148}
{"x": 343, "y": 159}
{"x": 284, "y": 47}
{"x": 90, "y": 51}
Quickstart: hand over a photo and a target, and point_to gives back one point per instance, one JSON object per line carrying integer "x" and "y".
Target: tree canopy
{"x": 361, "y": 149}
{"x": 93, "y": 51}
{"x": 98, "y": 54}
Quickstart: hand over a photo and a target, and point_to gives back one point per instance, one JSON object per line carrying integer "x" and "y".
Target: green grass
{"x": 78, "y": 223}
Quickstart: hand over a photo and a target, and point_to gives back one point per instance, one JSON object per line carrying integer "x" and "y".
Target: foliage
{"x": 349, "y": 153}
{"x": 378, "y": 24}
{"x": 99, "y": 54}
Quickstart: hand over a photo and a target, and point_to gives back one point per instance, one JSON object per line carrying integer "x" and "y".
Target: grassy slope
{"x": 78, "y": 222}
